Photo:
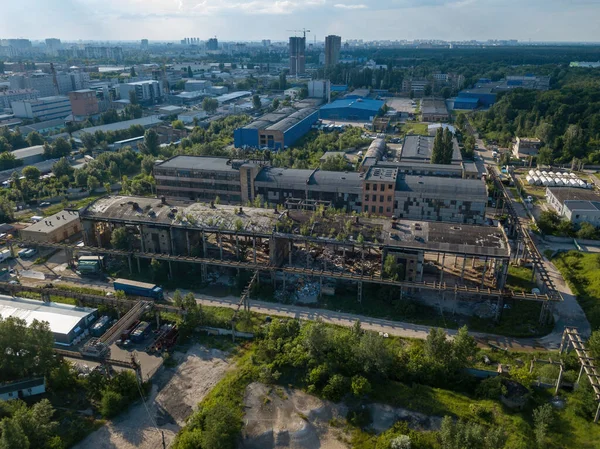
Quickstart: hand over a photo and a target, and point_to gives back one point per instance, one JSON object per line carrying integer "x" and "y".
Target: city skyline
{"x": 234, "y": 20}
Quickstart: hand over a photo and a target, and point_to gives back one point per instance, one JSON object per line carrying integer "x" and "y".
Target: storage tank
{"x": 532, "y": 172}
{"x": 538, "y": 173}
{"x": 551, "y": 174}
{"x": 573, "y": 183}
{"x": 545, "y": 173}
{"x": 557, "y": 182}
{"x": 551, "y": 182}
{"x": 572, "y": 175}
{"x": 537, "y": 180}
{"x": 581, "y": 183}
{"x": 545, "y": 181}
{"x": 530, "y": 180}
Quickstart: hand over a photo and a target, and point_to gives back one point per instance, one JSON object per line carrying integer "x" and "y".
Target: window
{"x": 381, "y": 198}
{"x": 373, "y": 209}
{"x": 381, "y": 209}
{"x": 387, "y": 209}
{"x": 374, "y": 187}
{"x": 367, "y": 186}
{"x": 390, "y": 186}
{"x": 366, "y": 209}
{"x": 374, "y": 198}
{"x": 366, "y": 197}
{"x": 389, "y": 199}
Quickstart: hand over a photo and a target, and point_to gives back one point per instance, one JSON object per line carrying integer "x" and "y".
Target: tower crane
{"x": 303, "y": 30}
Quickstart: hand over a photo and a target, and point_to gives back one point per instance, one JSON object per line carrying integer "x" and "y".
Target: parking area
{"x": 401, "y": 104}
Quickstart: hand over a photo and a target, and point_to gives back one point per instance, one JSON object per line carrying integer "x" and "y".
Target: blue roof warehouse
{"x": 279, "y": 129}
{"x": 351, "y": 109}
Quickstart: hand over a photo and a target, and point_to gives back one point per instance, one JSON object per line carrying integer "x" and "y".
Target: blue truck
{"x": 136, "y": 288}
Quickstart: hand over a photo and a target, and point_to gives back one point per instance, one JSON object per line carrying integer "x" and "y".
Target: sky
{"x": 238, "y": 20}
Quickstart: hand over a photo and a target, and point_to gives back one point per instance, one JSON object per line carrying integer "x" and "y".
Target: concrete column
{"x": 580, "y": 373}
{"x": 237, "y": 246}
{"x": 170, "y": 270}
{"x": 442, "y": 270}
{"x": 362, "y": 263}
{"x": 485, "y": 263}
{"x": 473, "y": 262}
{"x": 129, "y": 260}
{"x": 503, "y": 274}
{"x": 254, "y": 248}
{"x": 307, "y": 255}
{"x": 290, "y": 251}
{"x": 172, "y": 241}
{"x": 220, "y": 245}
{"x": 187, "y": 243}
{"x": 559, "y": 381}
{"x": 138, "y": 264}
{"x": 204, "y": 250}
{"x": 142, "y": 242}
{"x": 462, "y": 272}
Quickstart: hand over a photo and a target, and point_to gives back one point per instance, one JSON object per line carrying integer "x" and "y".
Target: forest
{"x": 566, "y": 119}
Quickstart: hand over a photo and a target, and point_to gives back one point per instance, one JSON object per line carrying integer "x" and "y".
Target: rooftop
{"x": 233, "y": 96}
{"x": 54, "y": 222}
{"x": 376, "y": 173}
{"x": 359, "y": 103}
{"x": 197, "y": 163}
{"x": 62, "y": 318}
{"x": 28, "y": 152}
{"x": 563, "y": 194}
{"x": 582, "y": 205}
{"x": 144, "y": 121}
{"x": 419, "y": 148}
{"x": 433, "y": 106}
{"x": 433, "y": 186}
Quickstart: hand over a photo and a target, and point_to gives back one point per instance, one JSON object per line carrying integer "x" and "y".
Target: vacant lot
{"x": 175, "y": 394}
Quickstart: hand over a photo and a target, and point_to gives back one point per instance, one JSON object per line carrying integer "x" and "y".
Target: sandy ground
{"x": 175, "y": 394}
{"x": 278, "y": 418}
{"x": 284, "y": 418}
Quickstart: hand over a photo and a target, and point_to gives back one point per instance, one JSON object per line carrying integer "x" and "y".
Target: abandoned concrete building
{"x": 414, "y": 189}
{"x": 322, "y": 242}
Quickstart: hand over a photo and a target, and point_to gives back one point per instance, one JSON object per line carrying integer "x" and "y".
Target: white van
{"x": 5, "y": 254}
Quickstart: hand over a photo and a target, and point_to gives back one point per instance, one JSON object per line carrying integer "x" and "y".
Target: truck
{"x": 89, "y": 264}
{"x": 136, "y": 288}
{"x": 140, "y": 332}
{"x": 5, "y": 254}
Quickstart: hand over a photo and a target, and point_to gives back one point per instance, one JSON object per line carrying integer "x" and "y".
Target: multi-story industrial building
{"x": 297, "y": 55}
{"x": 526, "y": 147}
{"x": 8, "y": 96}
{"x": 52, "y": 46}
{"x": 380, "y": 190}
{"x": 46, "y": 108}
{"x": 84, "y": 102}
{"x": 576, "y": 205}
{"x": 418, "y": 149}
{"x": 333, "y": 45}
{"x": 47, "y": 85}
{"x": 148, "y": 91}
{"x": 112, "y": 53}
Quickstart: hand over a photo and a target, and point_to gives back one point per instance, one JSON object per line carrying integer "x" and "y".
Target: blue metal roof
{"x": 352, "y": 103}
{"x": 466, "y": 100}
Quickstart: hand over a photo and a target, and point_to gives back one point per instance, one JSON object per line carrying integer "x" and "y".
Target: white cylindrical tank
{"x": 529, "y": 180}
{"x": 572, "y": 175}
{"x": 551, "y": 182}
{"x": 581, "y": 183}
{"x": 573, "y": 183}
{"x": 538, "y": 173}
{"x": 537, "y": 180}
{"x": 532, "y": 172}
{"x": 551, "y": 174}
{"x": 557, "y": 181}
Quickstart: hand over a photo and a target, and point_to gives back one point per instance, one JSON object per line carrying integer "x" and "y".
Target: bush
{"x": 221, "y": 428}
{"x": 336, "y": 388}
{"x": 359, "y": 417}
{"x": 490, "y": 388}
{"x": 401, "y": 442}
{"x": 111, "y": 404}
{"x": 190, "y": 439}
{"x": 360, "y": 386}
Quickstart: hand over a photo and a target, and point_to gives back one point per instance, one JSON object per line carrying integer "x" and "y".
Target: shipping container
{"x": 100, "y": 326}
{"x": 136, "y": 288}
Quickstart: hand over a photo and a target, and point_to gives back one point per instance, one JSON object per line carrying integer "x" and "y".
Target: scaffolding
{"x": 572, "y": 339}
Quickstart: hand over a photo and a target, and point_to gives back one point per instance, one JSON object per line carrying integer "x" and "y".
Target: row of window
{"x": 368, "y": 187}
{"x": 198, "y": 174}
{"x": 196, "y": 185}
{"x": 375, "y": 209}
{"x": 381, "y": 198}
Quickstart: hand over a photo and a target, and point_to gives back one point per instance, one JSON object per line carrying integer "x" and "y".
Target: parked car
{"x": 27, "y": 253}
{"x": 45, "y": 204}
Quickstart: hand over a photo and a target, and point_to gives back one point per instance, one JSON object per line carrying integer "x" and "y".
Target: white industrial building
{"x": 67, "y": 322}
{"x": 46, "y": 108}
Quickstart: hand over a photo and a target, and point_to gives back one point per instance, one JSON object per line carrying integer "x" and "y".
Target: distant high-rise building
{"x": 212, "y": 44}
{"x": 333, "y": 45}
{"x": 52, "y": 46}
{"x": 266, "y": 42}
{"x": 144, "y": 44}
{"x": 297, "y": 55}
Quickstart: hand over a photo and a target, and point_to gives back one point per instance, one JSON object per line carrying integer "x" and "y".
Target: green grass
{"x": 415, "y": 128}
{"x": 519, "y": 279}
{"x": 521, "y": 319}
{"x": 582, "y": 273}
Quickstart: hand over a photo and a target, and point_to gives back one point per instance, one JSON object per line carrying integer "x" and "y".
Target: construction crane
{"x": 303, "y": 30}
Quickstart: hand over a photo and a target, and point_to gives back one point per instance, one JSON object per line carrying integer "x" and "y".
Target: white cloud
{"x": 343, "y": 6}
